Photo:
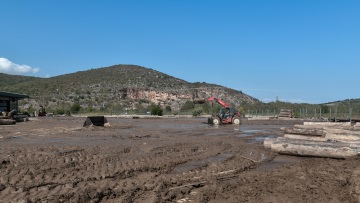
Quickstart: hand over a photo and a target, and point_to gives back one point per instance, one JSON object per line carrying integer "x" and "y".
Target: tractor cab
{"x": 227, "y": 112}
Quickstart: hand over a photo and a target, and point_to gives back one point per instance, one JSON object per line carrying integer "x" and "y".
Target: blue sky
{"x": 296, "y": 50}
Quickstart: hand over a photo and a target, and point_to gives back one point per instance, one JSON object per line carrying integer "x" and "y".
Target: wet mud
{"x": 163, "y": 160}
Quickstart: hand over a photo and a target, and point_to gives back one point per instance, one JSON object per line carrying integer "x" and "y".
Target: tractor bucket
{"x": 96, "y": 121}
{"x": 199, "y": 101}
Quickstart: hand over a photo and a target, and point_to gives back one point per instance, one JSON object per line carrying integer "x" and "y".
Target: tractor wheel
{"x": 216, "y": 121}
{"x": 236, "y": 121}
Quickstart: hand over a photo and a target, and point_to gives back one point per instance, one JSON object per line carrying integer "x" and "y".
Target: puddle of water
{"x": 249, "y": 133}
{"x": 188, "y": 166}
{"x": 244, "y": 135}
{"x": 260, "y": 139}
{"x": 213, "y": 126}
{"x": 279, "y": 161}
{"x": 212, "y": 134}
{"x": 252, "y": 131}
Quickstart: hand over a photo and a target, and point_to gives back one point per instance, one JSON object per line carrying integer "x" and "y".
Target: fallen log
{"x": 297, "y": 147}
{"x": 342, "y": 136}
{"x": 327, "y": 124}
{"x": 345, "y": 127}
{"x": 342, "y": 131}
{"x": 304, "y": 137}
{"x": 320, "y": 139}
{"x": 20, "y": 118}
{"x": 300, "y": 131}
{"x": 299, "y": 126}
{"x": 7, "y": 122}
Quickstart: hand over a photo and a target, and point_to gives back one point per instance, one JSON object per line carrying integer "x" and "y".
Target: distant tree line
{"x": 146, "y": 107}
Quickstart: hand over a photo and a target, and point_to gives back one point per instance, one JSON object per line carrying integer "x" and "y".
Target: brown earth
{"x": 163, "y": 160}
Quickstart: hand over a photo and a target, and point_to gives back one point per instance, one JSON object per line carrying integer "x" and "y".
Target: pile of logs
{"x": 319, "y": 139}
{"x": 286, "y": 113}
{"x": 11, "y": 120}
{"x": 7, "y": 121}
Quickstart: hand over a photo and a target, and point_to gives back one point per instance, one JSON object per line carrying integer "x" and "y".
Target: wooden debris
{"x": 20, "y": 118}
{"x": 304, "y": 137}
{"x": 327, "y": 124}
{"x": 322, "y": 127}
{"x": 357, "y": 126}
{"x": 7, "y": 122}
{"x": 343, "y": 136}
{"x": 286, "y": 113}
{"x": 300, "y": 131}
{"x": 320, "y": 139}
{"x": 313, "y": 148}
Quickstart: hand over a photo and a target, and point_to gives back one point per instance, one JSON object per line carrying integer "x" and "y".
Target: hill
{"x": 8, "y": 80}
{"x": 118, "y": 87}
{"x": 346, "y": 102}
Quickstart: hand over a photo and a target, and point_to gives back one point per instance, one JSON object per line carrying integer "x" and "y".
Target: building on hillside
{"x": 9, "y": 101}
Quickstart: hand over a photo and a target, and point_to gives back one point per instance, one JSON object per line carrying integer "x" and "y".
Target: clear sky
{"x": 296, "y": 50}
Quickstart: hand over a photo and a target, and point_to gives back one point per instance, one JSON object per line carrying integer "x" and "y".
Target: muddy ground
{"x": 163, "y": 160}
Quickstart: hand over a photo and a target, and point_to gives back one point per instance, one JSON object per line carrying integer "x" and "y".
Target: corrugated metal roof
{"x": 13, "y": 95}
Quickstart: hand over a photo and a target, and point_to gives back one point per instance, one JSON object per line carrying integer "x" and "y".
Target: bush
{"x": 156, "y": 110}
{"x": 197, "y": 112}
{"x": 60, "y": 111}
{"x": 189, "y": 105}
{"x": 168, "y": 109}
{"x": 143, "y": 101}
{"x": 75, "y": 108}
{"x": 241, "y": 110}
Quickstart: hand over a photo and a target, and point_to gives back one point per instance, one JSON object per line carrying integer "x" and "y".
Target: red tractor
{"x": 226, "y": 114}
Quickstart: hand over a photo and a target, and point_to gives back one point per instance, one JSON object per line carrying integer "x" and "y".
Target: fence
{"x": 330, "y": 114}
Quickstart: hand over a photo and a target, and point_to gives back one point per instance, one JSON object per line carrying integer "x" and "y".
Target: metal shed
{"x": 9, "y": 100}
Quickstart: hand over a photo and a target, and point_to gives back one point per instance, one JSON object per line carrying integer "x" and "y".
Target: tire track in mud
{"x": 81, "y": 167}
{"x": 123, "y": 168}
{"x": 85, "y": 168}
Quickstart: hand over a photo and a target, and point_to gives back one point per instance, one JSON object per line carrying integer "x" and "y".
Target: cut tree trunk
{"x": 345, "y": 127}
{"x": 320, "y": 139}
{"x": 7, "y": 122}
{"x": 342, "y": 136}
{"x": 342, "y": 131}
{"x": 289, "y": 146}
{"x": 300, "y": 131}
{"x": 304, "y": 137}
{"x": 327, "y": 124}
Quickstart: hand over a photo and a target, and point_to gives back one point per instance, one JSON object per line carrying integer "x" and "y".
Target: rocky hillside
{"x": 117, "y": 87}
